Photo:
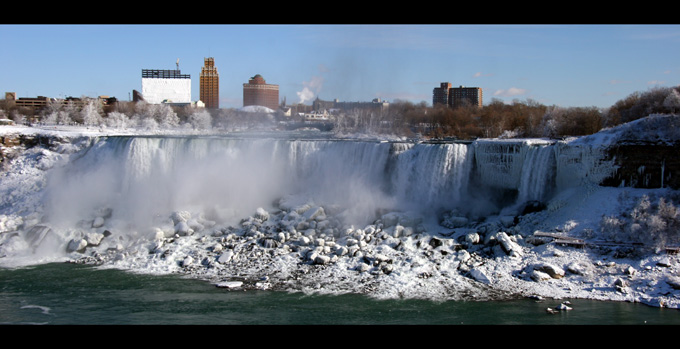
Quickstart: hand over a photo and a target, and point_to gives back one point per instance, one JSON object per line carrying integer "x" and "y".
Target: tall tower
{"x": 210, "y": 84}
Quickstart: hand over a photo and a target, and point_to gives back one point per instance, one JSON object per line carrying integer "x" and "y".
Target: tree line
{"x": 518, "y": 119}
{"x": 526, "y": 118}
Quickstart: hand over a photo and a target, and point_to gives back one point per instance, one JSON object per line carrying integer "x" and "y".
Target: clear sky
{"x": 565, "y": 65}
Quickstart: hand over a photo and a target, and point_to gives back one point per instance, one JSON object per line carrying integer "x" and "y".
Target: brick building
{"x": 258, "y": 92}
{"x": 210, "y": 84}
{"x": 456, "y": 96}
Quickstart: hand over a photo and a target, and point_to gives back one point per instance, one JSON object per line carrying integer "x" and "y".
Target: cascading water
{"x": 538, "y": 173}
{"x": 145, "y": 177}
{"x": 431, "y": 175}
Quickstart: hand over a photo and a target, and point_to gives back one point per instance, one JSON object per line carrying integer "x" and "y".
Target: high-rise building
{"x": 258, "y": 92}
{"x": 456, "y": 96}
{"x": 440, "y": 95}
{"x": 166, "y": 86}
{"x": 460, "y": 96}
{"x": 210, "y": 84}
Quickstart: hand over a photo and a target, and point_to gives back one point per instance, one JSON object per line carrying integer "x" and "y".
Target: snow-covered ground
{"x": 298, "y": 244}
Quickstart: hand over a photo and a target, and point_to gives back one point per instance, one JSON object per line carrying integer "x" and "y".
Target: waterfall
{"x": 145, "y": 177}
{"x": 431, "y": 175}
{"x": 538, "y": 171}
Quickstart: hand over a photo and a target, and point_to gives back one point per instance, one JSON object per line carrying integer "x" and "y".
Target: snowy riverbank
{"x": 296, "y": 242}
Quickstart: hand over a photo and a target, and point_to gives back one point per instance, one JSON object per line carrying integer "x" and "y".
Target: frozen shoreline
{"x": 287, "y": 246}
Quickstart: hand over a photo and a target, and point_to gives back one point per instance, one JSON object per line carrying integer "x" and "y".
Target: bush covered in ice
{"x": 654, "y": 222}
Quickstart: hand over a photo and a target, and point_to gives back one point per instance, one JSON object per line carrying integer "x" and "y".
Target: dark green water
{"x": 81, "y": 295}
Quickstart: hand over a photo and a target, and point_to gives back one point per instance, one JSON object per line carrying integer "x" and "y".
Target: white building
{"x": 166, "y": 86}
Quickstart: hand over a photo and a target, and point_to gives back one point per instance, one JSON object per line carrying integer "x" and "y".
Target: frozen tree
{"x": 18, "y": 118}
{"x": 64, "y": 118}
{"x": 51, "y": 118}
{"x": 166, "y": 116}
{"x": 118, "y": 120}
{"x": 200, "y": 120}
{"x": 90, "y": 113}
{"x": 672, "y": 101}
{"x": 148, "y": 124}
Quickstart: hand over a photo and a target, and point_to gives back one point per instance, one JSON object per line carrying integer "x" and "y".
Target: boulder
{"x": 180, "y": 216}
{"x": 76, "y": 245}
{"x": 187, "y": 261}
{"x": 230, "y": 284}
{"x": 225, "y": 257}
{"x": 471, "y": 239}
{"x": 261, "y": 214}
{"x": 664, "y": 262}
{"x": 553, "y": 271}
{"x": 182, "y": 228}
{"x": 94, "y": 239}
{"x": 539, "y": 276}
{"x": 510, "y": 247}
{"x": 315, "y": 213}
{"x": 479, "y": 276}
{"x": 673, "y": 282}
{"x": 507, "y": 221}
{"x": 563, "y": 307}
{"x": 578, "y": 268}
{"x": 453, "y": 222}
{"x": 390, "y": 219}
{"x": 98, "y": 222}
{"x": 322, "y": 259}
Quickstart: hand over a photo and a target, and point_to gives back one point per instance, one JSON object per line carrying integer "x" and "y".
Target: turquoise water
{"x": 82, "y": 295}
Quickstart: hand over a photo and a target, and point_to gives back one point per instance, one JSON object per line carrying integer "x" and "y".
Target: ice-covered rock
{"x": 314, "y": 213}
{"x": 471, "y": 238}
{"x": 563, "y": 307}
{"x": 76, "y": 245}
{"x": 230, "y": 284}
{"x": 553, "y": 271}
{"x": 507, "y": 221}
{"x": 538, "y": 275}
{"x": 510, "y": 247}
{"x": 182, "y": 228}
{"x": 480, "y": 276}
{"x": 579, "y": 268}
{"x": 180, "y": 216}
{"x": 453, "y": 222}
{"x": 226, "y": 257}
{"x": 93, "y": 238}
{"x": 261, "y": 214}
{"x": 98, "y": 222}
{"x": 322, "y": 259}
{"x": 187, "y": 261}
{"x": 664, "y": 262}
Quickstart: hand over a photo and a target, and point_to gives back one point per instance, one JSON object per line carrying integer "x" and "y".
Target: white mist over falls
{"x": 226, "y": 179}
{"x": 311, "y": 212}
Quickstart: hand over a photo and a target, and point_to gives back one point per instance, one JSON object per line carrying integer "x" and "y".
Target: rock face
{"x": 645, "y": 166}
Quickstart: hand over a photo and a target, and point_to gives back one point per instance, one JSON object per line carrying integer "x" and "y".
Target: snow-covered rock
{"x": 480, "y": 276}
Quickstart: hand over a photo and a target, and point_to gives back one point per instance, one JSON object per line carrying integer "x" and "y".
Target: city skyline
{"x": 564, "y": 65}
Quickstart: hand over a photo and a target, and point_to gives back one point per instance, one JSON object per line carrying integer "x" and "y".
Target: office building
{"x": 166, "y": 86}
{"x": 258, "y": 93}
{"x": 210, "y": 84}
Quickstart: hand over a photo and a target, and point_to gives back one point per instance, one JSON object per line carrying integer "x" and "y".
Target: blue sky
{"x": 565, "y": 65}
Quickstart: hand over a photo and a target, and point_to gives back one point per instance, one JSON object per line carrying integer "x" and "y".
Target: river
{"x": 71, "y": 294}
